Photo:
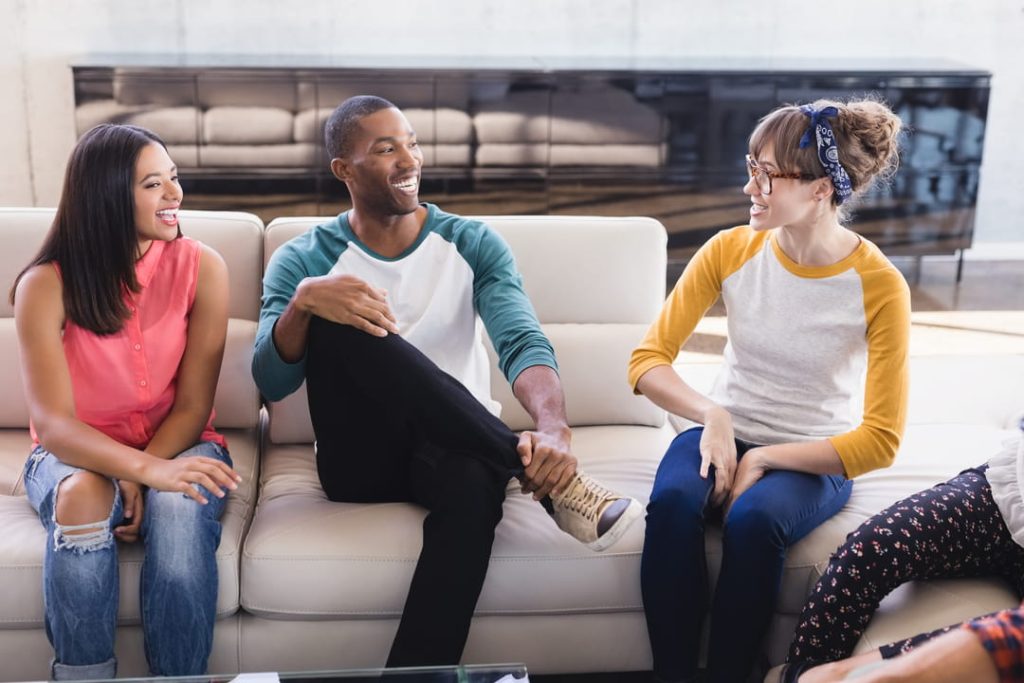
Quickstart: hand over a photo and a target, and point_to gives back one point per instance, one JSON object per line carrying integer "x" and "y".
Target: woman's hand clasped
{"x": 751, "y": 468}
{"x": 131, "y": 497}
{"x": 718, "y": 449}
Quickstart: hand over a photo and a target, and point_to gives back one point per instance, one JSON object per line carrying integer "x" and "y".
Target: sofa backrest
{"x": 596, "y": 284}
{"x": 238, "y": 237}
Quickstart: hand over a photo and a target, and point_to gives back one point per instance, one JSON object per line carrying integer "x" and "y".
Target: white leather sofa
{"x": 311, "y": 584}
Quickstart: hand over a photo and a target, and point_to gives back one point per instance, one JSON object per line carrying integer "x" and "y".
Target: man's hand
{"x": 180, "y": 474}
{"x": 752, "y": 467}
{"x": 718, "y": 448}
{"x": 549, "y": 466}
{"x": 348, "y": 300}
{"x": 131, "y": 495}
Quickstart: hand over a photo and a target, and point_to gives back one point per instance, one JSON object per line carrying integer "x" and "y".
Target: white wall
{"x": 39, "y": 38}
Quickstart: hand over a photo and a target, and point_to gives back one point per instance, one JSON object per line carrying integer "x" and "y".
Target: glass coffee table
{"x": 472, "y": 673}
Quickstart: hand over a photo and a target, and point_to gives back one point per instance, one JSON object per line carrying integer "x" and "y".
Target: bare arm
{"x": 814, "y": 457}
{"x": 666, "y": 389}
{"x": 39, "y": 319}
{"x": 545, "y": 452}
{"x": 200, "y": 365}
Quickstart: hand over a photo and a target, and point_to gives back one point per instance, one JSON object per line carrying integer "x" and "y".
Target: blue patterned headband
{"x": 828, "y": 153}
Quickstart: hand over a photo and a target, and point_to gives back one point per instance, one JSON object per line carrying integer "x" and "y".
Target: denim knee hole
{"x": 81, "y": 538}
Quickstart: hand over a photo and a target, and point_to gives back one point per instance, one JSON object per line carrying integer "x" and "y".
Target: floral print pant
{"x": 951, "y": 530}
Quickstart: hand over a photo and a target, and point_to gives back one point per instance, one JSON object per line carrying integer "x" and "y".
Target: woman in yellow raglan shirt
{"x": 812, "y": 391}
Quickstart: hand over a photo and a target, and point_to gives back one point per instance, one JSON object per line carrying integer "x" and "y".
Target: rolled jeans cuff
{"x": 68, "y": 672}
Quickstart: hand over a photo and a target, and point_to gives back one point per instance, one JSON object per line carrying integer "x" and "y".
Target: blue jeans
{"x": 773, "y": 514}
{"x": 178, "y": 592}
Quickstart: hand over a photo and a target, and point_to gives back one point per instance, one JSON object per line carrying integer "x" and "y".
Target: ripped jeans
{"x": 178, "y": 589}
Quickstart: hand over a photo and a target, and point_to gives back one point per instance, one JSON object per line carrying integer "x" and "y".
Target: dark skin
{"x": 382, "y": 174}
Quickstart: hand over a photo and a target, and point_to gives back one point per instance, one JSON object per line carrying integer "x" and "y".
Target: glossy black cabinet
{"x": 657, "y": 137}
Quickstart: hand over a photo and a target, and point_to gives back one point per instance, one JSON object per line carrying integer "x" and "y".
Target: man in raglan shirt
{"x": 380, "y": 312}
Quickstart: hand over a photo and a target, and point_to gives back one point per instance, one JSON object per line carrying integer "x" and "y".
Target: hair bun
{"x": 868, "y": 136}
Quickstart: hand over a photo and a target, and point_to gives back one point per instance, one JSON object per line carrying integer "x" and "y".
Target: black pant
{"x": 392, "y": 426}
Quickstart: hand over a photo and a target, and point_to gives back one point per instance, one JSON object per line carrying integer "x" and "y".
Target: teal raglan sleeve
{"x": 507, "y": 313}
{"x": 275, "y": 377}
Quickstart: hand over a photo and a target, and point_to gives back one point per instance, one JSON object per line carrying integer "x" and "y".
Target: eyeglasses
{"x": 763, "y": 177}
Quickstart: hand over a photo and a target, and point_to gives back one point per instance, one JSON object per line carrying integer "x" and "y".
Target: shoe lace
{"x": 585, "y": 497}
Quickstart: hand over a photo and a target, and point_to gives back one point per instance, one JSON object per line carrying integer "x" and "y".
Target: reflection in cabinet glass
{"x": 655, "y": 137}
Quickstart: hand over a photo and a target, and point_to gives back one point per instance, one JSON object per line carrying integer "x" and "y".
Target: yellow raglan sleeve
{"x": 696, "y": 291}
{"x": 873, "y": 444}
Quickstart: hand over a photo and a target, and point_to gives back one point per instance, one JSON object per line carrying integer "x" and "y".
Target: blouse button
{"x": 138, "y": 347}
{"x": 142, "y": 383}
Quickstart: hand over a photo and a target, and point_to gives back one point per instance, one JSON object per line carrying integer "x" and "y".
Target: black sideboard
{"x": 657, "y": 137}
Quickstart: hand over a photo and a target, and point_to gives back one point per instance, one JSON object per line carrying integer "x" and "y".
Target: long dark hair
{"x": 93, "y": 237}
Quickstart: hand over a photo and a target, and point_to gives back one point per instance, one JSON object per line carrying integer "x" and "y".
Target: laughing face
{"x": 157, "y": 196}
{"x": 383, "y": 170}
{"x": 790, "y": 201}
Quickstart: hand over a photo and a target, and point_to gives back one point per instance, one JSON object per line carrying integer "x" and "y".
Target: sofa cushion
{"x": 308, "y": 558}
{"x": 175, "y": 125}
{"x": 250, "y": 90}
{"x": 585, "y": 116}
{"x": 519, "y": 117}
{"x": 591, "y": 358}
{"x": 238, "y": 238}
{"x": 456, "y": 155}
{"x": 186, "y": 157}
{"x": 90, "y": 114}
{"x": 617, "y": 272}
{"x": 295, "y": 155}
{"x": 247, "y": 126}
{"x": 513, "y": 154}
{"x": 15, "y": 445}
{"x": 649, "y": 155}
{"x": 23, "y": 544}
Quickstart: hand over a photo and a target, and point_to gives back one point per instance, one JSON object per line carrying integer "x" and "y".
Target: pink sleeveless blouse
{"x": 124, "y": 384}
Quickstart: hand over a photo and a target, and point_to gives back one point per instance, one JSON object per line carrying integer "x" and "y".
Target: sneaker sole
{"x": 622, "y": 524}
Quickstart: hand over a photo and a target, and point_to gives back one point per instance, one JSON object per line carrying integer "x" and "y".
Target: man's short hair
{"x": 340, "y": 129}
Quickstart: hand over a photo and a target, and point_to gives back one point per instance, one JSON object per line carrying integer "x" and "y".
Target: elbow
{"x": 270, "y": 395}
{"x": 271, "y": 391}
{"x": 888, "y": 453}
{"x": 272, "y": 388}
{"x": 642, "y": 361}
{"x": 866, "y": 449}
{"x": 888, "y": 444}
{"x": 260, "y": 375}
{"x": 48, "y": 432}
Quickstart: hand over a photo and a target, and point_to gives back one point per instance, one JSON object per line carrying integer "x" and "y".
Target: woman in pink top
{"x": 121, "y": 324}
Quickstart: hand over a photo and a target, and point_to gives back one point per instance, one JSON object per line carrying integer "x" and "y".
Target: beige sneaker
{"x": 593, "y": 514}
